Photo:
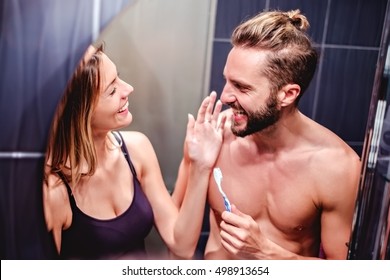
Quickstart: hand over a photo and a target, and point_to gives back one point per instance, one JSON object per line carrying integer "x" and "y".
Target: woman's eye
{"x": 113, "y": 91}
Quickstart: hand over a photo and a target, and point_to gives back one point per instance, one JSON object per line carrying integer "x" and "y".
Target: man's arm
{"x": 338, "y": 210}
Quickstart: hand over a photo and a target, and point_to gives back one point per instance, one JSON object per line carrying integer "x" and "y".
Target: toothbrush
{"x": 218, "y": 179}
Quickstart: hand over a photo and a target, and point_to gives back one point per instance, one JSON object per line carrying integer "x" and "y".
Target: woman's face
{"x": 111, "y": 111}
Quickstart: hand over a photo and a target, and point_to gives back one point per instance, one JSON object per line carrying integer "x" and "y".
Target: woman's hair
{"x": 71, "y": 149}
{"x": 291, "y": 55}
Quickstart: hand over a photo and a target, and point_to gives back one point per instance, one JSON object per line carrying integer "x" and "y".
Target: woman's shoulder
{"x": 140, "y": 149}
{"x": 56, "y": 202}
{"x": 55, "y": 188}
{"x": 134, "y": 138}
{"x": 138, "y": 145}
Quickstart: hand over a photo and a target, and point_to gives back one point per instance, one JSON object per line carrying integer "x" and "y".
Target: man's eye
{"x": 242, "y": 88}
{"x": 239, "y": 87}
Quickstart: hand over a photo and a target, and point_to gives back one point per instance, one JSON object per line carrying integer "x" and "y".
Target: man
{"x": 292, "y": 183}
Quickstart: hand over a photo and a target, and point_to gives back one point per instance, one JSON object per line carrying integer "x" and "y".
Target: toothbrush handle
{"x": 227, "y": 204}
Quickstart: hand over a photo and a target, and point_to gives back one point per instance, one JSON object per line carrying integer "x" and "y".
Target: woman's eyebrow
{"x": 113, "y": 81}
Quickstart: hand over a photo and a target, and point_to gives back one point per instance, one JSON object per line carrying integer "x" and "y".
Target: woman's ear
{"x": 288, "y": 94}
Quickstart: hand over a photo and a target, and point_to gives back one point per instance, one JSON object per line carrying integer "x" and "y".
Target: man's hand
{"x": 241, "y": 235}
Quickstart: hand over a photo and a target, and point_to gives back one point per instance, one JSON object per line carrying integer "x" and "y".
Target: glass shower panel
{"x": 370, "y": 237}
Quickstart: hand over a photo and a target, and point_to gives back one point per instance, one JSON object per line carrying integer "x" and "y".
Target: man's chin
{"x": 239, "y": 132}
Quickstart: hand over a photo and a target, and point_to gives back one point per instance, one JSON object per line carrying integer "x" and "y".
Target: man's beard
{"x": 260, "y": 119}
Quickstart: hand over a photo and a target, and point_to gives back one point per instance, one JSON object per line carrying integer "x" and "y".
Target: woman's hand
{"x": 205, "y": 134}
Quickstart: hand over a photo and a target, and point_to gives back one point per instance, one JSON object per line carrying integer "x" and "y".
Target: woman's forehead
{"x": 108, "y": 70}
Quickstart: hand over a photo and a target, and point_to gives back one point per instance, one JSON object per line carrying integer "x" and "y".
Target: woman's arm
{"x": 56, "y": 206}
{"x": 180, "y": 230}
{"x": 181, "y": 183}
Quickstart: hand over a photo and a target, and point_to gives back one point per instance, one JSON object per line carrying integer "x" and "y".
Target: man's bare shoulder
{"x": 330, "y": 146}
{"x": 337, "y": 163}
{"x": 334, "y": 162}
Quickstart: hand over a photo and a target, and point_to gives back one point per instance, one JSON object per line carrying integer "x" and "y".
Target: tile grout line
{"x": 18, "y": 155}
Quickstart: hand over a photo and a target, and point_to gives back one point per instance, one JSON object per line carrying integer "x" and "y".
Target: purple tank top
{"x": 119, "y": 237}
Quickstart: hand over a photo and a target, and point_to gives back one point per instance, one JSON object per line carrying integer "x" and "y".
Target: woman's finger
{"x": 210, "y": 107}
{"x": 201, "y": 117}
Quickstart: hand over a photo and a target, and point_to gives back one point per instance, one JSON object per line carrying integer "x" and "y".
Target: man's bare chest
{"x": 279, "y": 196}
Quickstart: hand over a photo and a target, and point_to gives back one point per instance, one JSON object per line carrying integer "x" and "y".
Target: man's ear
{"x": 288, "y": 94}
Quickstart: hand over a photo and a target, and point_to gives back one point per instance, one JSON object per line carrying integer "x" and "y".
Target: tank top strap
{"x": 119, "y": 138}
{"x": 70, "y": 194}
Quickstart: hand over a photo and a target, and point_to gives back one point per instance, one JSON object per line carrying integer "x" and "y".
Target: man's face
{"x": 248, "y": 92}
{"x": 256, "y": 120}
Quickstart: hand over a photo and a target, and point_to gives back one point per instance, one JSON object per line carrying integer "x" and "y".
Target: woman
{"x": 104, "y": 190}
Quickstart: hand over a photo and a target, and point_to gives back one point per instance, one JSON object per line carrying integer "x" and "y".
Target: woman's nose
{"x": 127, "y": 88}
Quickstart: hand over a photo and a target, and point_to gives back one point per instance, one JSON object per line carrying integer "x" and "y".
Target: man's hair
{"x": 291, "y": 56}
{"x": 70, "y": 144}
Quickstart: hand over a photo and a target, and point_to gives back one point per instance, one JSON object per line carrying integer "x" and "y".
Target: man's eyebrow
{"x": 241, "y": 84}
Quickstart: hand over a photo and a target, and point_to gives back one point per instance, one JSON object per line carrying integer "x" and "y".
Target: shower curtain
{"x": 41, "y": 41}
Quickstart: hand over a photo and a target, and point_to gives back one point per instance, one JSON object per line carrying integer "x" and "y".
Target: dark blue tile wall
{"x": 307, "y": 102}
{"x": 231, "y": 12}
{"x": 315, "y": 13}
{"x": 220, "y": 52}
{"x": 346, "y": 86}
{"x": 356, "y": 22}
